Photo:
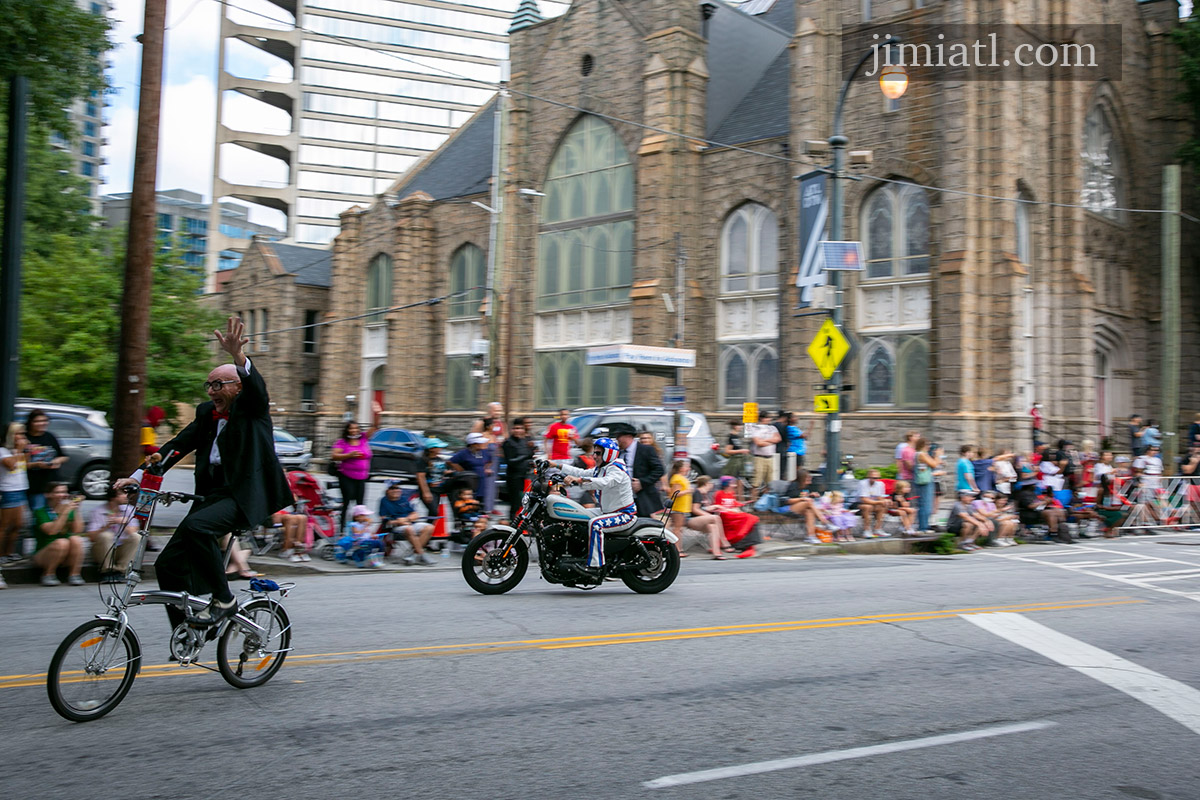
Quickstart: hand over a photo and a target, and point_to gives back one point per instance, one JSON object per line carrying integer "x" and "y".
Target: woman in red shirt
{"x": 741, "y": 528}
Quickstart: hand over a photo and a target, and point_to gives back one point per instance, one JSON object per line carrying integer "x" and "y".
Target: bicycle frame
{"x": 125, "y": 598}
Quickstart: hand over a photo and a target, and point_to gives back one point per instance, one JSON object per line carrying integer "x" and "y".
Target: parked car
{"x": 86, "y": 441}
{"x": 292, "y": 453}
{"x": 703, "y": 451}
{"x": 396, "y": 452}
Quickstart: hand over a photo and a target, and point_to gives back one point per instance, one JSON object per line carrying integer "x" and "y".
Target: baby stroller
{"x": 322, "y": 512}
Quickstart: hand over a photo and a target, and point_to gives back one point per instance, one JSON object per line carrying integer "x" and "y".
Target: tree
{"x": 57, "y": 46}
{"x": 70, "y": 324}
{"x": 1187, "y": 37}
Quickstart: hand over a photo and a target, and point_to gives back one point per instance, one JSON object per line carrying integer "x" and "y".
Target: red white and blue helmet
{"x": 607, "y": 450}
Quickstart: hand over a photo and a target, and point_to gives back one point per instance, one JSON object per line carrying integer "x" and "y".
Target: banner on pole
{"x": 814, "y": 213}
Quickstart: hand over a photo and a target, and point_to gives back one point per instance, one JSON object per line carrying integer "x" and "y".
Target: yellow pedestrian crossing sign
{"x": 825, "y": 403}
{"x": 828, "y": 348}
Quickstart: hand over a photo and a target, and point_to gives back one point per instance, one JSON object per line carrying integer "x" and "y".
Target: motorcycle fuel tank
{"x": 565, "y": 508}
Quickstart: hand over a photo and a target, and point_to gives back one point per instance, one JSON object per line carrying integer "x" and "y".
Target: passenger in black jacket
{"x": 237, "y": 473}
{"x": 644, "y": 465}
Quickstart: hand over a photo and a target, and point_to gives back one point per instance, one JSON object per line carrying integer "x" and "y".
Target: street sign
{"x": 828, "y": 348}
{"x": 673, "y": 397}
{"x": 749, "y": 413}
{"x": 825, "y": 403}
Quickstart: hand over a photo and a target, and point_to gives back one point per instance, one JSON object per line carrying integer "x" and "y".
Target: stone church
{"x": 647, "y": 155}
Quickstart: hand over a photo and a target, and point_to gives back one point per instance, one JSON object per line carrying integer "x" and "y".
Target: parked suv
{"x": 704, "y": 456}
{"x": 86, "y": 441}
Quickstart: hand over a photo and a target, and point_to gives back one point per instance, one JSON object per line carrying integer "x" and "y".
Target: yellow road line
{"x": 599, "y": 640}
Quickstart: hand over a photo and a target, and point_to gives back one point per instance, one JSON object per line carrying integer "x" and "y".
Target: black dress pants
{"x": 192, "y": 561}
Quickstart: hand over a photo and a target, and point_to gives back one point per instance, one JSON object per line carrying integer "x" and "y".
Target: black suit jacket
{"x": 247, "y": 448}
{"x": 647, "y": 468}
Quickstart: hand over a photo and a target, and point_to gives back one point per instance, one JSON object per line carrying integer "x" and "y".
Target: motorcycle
{"x": 495, "y": 561}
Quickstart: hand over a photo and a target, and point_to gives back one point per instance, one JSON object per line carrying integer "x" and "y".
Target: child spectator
{"x": 114, "y": 535}
{"x": 361, "y": 545}
{"x": 397, "y": 516}
{"x": 468, "y": 511}
{"x": 833, "y": 508}
{"x": 965, "y": 470}
{"x": 872, "y": 504}
{"x": 900, "y": 506}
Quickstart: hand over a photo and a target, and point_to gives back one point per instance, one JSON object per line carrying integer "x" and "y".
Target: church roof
{"x": 311, "y": 266}
{"x": 743, "y": 47}
{"x": 527, "y": 14}
{"x": 462, "y": 166}
{"x": 763, "y": 112}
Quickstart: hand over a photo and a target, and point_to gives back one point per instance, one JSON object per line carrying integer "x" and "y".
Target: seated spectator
{"x": 397, "y": 516}
{"x": 114, "y": 535}
{"x": 468, "y": 514}
{"x": 872, "y": 504}
{"x": 14, "y": 491}
{"x": 741, "y": 528}
{"x": 1003, "y": 525}
{"x": 964, "y": 523}
{"x": 239, "y": 562}
{"x": 295, "y": 534}
{"x": 833, "y": 507}
{"x": 900, "y": 506}
{"x": 58, "y": 525}
{"x": 361, "y": 546}
{"x": 1051, "y": 475}
{"x": 1035, "y": 509}
{"x": 802, "y": 502}
{"x": 685, "y": 513}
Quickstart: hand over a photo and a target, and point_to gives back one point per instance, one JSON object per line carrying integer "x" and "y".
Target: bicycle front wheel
{"x": 247, "y": 657}
{"x": 92, "y": 670}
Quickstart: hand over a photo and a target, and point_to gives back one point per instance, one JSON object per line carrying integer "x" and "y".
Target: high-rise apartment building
{"x": 86, "y": 113}
{"x": 367, "y": 87}
{"x": 184, "y": 221}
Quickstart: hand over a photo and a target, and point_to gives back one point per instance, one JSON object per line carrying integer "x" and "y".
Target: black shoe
{"x": 212, "y": 614}
{"x": 112, "y": 577}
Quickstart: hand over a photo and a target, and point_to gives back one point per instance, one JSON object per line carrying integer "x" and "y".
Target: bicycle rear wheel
{"x": 92, "y": 670}
{"x": 247, "y": 658}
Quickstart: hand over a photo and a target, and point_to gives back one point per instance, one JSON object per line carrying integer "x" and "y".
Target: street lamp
{"x": 893, "y": 81}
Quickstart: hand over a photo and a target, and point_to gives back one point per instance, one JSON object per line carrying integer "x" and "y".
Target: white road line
{"x": 1141, "y": 576}
{"x": 1128, "y": 559}
{"x": 830, "y": 756}
{"x": 1176, "y": 700}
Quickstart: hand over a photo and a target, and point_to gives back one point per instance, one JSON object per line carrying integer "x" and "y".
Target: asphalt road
{"x": 1038, "y": 671}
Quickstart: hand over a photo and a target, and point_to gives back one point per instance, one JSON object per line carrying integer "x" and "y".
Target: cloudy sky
{"x": 189, "y": 100}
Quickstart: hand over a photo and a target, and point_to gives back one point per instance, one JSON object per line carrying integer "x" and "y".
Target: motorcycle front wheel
{"x": 660, "y": 573}
{"x": 491, "y": 569}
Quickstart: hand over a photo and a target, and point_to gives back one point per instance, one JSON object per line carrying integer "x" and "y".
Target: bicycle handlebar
{"x": 166, "y": 498}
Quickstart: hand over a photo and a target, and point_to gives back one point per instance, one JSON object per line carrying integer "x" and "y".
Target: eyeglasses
{"x": 216, "y": 385}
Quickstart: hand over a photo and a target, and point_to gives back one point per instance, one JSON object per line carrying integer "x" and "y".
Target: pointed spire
{"x": 526, "y": 14}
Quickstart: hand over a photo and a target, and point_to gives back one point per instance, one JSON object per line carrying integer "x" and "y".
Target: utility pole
{"x": 13, "y": 245}
{"x": 130, "y": 393}
{"x": 1170, "y": 315}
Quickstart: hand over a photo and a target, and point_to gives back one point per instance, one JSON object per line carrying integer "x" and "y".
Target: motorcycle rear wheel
{"x": 487, "y": 569}
{"x": 663, "y": 569}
